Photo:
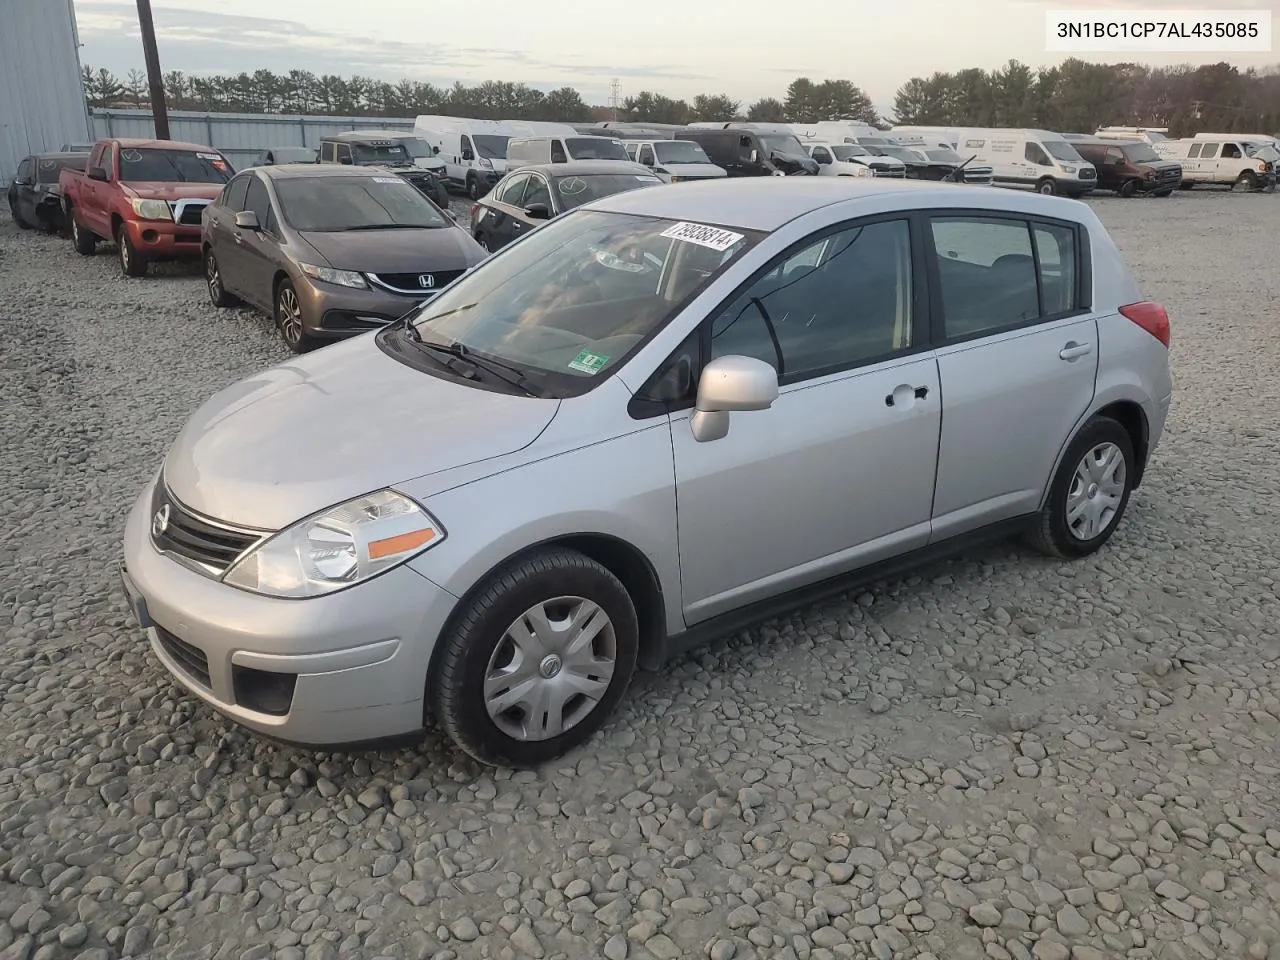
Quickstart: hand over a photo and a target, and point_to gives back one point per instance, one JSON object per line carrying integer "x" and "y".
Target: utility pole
{"x": 614, "y": 98}
{"x": 159, "y": 110}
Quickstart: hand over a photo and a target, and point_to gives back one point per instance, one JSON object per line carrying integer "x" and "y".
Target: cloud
{"x": 199, "y": 41}
{"x": 1215, "y": 5}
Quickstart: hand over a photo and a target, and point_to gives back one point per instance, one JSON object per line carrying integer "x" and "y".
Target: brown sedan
{"x": 329, "y": 251}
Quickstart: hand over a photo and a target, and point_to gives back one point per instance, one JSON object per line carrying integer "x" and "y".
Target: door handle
{"x": 1073, "y": 350}
{"x": 239, "y": 238}
{"x": 213, "y": 221}
{"x": 903, "y": 392}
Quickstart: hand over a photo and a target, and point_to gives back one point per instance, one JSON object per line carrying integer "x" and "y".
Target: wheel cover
{"x": 124, "y": 251}
{"x": 290, "y": 316}
{"x": 550, "y": 669}
{"x": 1097, "y": 489}
{"x": 215, "y": 280}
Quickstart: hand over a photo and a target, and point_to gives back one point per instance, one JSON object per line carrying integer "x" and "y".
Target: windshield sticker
{"x": 572, "y": 185}
{"x": 131, "y": 156}
{"x": 47, "y": 164}
{"x": 387, "y": 180}
{"x": 209, "y": 156}
{"x": 703, "y": 236}
{"x": 588, "y": 362}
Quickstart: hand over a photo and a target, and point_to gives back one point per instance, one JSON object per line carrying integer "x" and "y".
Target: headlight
{"x": 485, "y": 164}
{"x": 151, "y": 209}
{"x": 343, "y": 278}
{"x": 861, "y": 171}
{"x": 342, "y": 546}
{"x": 1067, "y": 168}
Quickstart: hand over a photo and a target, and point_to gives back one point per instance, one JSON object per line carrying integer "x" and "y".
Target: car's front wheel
{"x": 289, "y": 319}
{"x": 1089, "y": 492}
{"x": 132, "y": 263}
{"x": 537, "y": 660}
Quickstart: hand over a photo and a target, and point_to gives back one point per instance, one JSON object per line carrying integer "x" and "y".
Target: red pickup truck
{"x": 147, "y": 196}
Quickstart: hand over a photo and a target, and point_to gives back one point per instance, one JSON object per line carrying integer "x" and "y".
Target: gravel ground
{"x": 1003, "y": 756}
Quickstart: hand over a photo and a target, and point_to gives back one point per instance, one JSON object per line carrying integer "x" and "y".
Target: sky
{"x": 745, "y": 48}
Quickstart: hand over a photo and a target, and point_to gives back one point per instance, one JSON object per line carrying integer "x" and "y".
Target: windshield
{"x": 332, "y": 204}
{"x": 50, "y": 167}
{"x": 782, "y": 143}
{"x": 576, "y": 190}
{"x": 595, "y": 148}
{"x": 380, "y": 153}
{"x": 845, "y": 151}
{"x": 169, "y": 166}
{"x": 568, "y": 303}
{"x": 416, "y": 147}
{"x": 943, "y": 155}
{"x": 491, "y": 146}
{"x": 1061, "y": 150}
{"x": 680, "y": 151}
{"x": 1141, "y": 154}
{"x": 904, "y": 154}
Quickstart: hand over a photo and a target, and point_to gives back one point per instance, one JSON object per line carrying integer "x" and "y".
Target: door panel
{"x": 1010, "y": 402}
{"x": 829, "y": 478}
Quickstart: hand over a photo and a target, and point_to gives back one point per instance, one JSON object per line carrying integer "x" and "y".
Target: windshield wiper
{"x": 495, "y": 368}
{"x": 388, "y": 226}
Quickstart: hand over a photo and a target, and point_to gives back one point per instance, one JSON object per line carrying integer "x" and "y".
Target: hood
{"x": 693, "y": 169}
{"x": 397, "y": 251}
{"x": 335, "y": 424}
{"x": 1162, "y": 164}
{"x": 429, "y": 163}
{"x": 499, "y": 166}
{"x": 794, "y": 163}
{"x": 163, "y": 190}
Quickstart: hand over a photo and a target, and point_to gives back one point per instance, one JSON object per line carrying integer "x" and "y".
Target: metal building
{"x": 42, "y": 103}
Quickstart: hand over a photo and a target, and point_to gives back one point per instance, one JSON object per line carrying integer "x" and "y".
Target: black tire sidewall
{"x": 471, "y": 640}
{"x": 1047, "y": 182}
{"x": 1128, "y": 188}
{"x": 137, "y": 265}
{"x": 1097, "y": 430}
{"x": 303, "y": 341}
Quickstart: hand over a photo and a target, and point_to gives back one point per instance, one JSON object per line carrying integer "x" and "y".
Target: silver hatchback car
{"x": 667, "y": 413}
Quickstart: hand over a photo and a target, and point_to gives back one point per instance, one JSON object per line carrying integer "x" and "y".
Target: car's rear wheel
{"x": 536, "y": 661}
{"x": 1089, "y": 492}
{"x": 218, "y": 295}
{"x": 289, "y": 319}
{"x": 132, "y": 263}
{"x": 86, "y": 243}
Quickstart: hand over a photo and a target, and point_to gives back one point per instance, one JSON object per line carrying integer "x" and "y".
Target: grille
{"x": 1088, "y": 174}
{"x": 192, "y": 212}
{"x": 187, "y": 535}
{"x": 191, "y": 659}
{"x": 408, "y": 282}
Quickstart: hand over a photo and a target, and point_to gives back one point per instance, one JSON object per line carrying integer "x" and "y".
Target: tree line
{"x": 1073, "y": 96}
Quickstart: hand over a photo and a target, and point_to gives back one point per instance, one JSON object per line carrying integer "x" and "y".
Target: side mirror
{"x": 451, "y": 215}
{"x": 435, "y": 151}
{"x": 538, "y": 211}
{"x": 346, "y": 160}
{"x": 21, "y": 182}
{"x": 97, "y": 173}
{"x": 730, "y": 384}
{"x": 247, "y": 220}
{"x": 468, "y": 155}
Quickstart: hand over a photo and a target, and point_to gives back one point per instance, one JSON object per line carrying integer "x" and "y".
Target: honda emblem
{"x": 426, "y": 281}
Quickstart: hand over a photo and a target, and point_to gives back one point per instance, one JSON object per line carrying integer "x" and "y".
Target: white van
{"x": 1038, "y": 159}
{"x": 474, "y": 151}
{"x": 1227, "y": 161}
{"x": 674, "y": 161}
{"x": 1145, "y": 134}
{"x": 523, "y": 151}
{"x": 834, "y": 131}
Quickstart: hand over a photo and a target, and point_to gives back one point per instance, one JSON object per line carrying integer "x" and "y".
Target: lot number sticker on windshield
{"x": 704, "y": 236}
{"x": 588, "y": 362}
{"x": 387, "y": 180}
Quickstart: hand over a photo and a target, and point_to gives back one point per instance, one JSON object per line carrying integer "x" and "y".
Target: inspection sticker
{"x": 209, "y": 156}
{"x": 703, "y": 236}
{"x": 388, "y": 180}
{"x": 588, "y": 362}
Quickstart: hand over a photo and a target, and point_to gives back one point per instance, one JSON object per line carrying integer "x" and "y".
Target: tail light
{"x": 474, "y": 208}
{"x": 1151, "y": 317}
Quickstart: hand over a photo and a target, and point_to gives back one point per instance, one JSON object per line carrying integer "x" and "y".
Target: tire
{"x": 473, "y": 187}
{"x": 479, "y": 645}
{"x": 17, "y": 217}
{"x": 1047, "y": 186}
{"x": 1164, "y": 193}
{"x": 288, "y": 317}
{"x": 1055, "y": 533}
{"x": 1247, "y": 179}
{"x": 1185, "y": 185}
{"x": 86, "y": 243}
{"x": 218, "y": 295}
{"x": 132, "y": 263}
{"x": 483, "y": 239}
{"x": 1128, "y": 188}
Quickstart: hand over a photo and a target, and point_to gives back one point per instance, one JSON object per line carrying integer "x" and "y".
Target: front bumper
{"x": 334, "y": 312}
{"x": 345, "y": 668}
{"x": 164, "y": 239}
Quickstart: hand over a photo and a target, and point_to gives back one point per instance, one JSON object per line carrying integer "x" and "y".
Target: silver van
{"x": 522, "y": 151}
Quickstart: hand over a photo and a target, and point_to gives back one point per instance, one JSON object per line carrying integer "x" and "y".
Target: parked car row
{"x": 568, "y": 464}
